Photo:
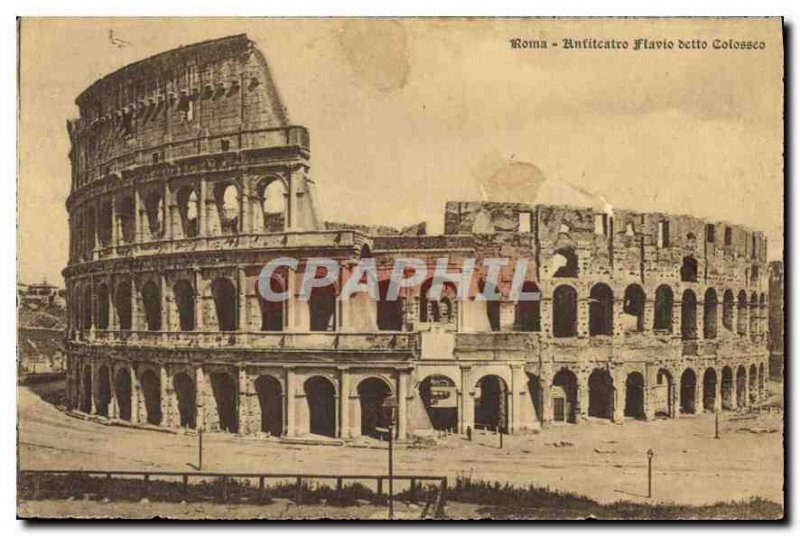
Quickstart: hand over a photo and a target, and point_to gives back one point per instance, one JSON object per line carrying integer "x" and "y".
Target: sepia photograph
{"x": 400, "y": 269}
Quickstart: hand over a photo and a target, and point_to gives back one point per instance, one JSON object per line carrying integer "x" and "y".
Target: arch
{"x": 662, "y": 319}
{"x": 151, "y": 390}
{"x": 270, "y": 401}
{"x": 689, "y": 269}
{"x": 564, "y": 396}
{"x": 122, "y": 304}
{"x": 688, "y": 390}
{"x": 226, "y": 397}
{"x": 688, "y": 316}
{"x": 710, "y": 314}
{"x": 753, "y": 313}
{"x": 601, "y": 394}
{"x": 153, "y": 206}
{"x": 565, "y": 311}
{"x": 187, "y": 399}
{"x": 761, "y": 379}
{"x": 271, "y": 195}
{"x": 123, "y": 392}
{"x": 322, "y": 308}
{"x": 105, "y": 223}
{"x": 438, "y": 395}
{"x": 272, "y": 312}
{"x": 151, "y": 299}
{"x": 634, "y": 396}
{"x": 389, "y": 312}
{"x": 225, "y": 303}
{"x": 371, "y": 394}
{"x": 102, "y": 306}
{"x": 709, "y": 389}
{"x": 727, "y": 310}
{"x": 188, "y": 209}
{"x": 185, "y": 302}
{"x": 752, "y": 379}
{"x": 441, "y": 310}
{"x": 86, "y": 309}
{"x": 633, "y": 307}
{"x": 86, "y": 394}
{"x": 741, "y": 386}
{"x": 664, "y": 393}
{"x": 601, "y": 310}
{"x": 126, "y": 213}
{"x": 565, "y": 262}
{"x": 491, "y": 404}
{"x": 727, "y": 388}
{"x": 527, "y": 313}
{"x": 103, "y": 390}
{"x": 226, "y": 196}
{"x": 741, "y": 313}
{"x": 321, "y": 398}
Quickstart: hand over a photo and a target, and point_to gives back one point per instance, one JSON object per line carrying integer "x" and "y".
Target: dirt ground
{"x": 603, "y": 461}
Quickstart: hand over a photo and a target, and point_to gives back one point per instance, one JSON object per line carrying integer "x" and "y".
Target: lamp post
{"x": 650, "y": 473}
{"x": 389, "y": 407}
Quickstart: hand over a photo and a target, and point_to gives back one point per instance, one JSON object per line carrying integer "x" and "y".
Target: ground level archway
{"x": 601, "y": 394}
{"x": 564, "y": 396}
{"x": 491, "y": 404}
{"x": 226, "y": 399}
{"x": 270, "y": 401}
{"x": 187, "y": 400}
{"x": 709, "y": 389}
{"x": 439, "y": 396}
{"x": 634, "y": 396}
{"x": 151, "y": 390}
{"x": 372, "y": 392}
{"x": 688, "y": 390}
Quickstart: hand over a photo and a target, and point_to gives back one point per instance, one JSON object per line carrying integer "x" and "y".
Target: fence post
{"x": 224, "y": 489}
{"x": 339, "y": 487}
{"x": 413, "y": 491}
{"x": 35, "y": 486}
{"x": 146, "y": 485}
{"x": 299, "y": 496}
{"x": 261, "y": 488}
{"x": 185, "y": 479}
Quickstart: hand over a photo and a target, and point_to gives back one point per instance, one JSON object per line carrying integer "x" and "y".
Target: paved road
{"x": 601, "y": 460}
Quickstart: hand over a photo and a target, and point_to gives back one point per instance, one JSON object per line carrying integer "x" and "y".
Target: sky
{"x": 407, "y": 114}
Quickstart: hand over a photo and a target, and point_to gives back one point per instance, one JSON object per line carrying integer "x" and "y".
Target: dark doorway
{"x": 536, "y": 393}
{"x": 122, "y": 388}
{"x": 122, "y": 303}
{"x": 86, "y": 398}
{"x": 438, "y": 394}
{"x": 727, "y": 388}
{"x": 151, "y": 389}
{"x": 527, "y": 313}
{"x": 709, "y": 389}
{"x": 688, "y": 390}
{"x": 491, "y": 404}
{"x": 227, "y": 400}
{"x": 270, "y": 400}
{"x": 634, "y": 396}
{"x": 601, "y": 310}
{"x": 187, "y": 399}
{"x": 184, "y": 299}
{"x": 565, "y": 311}
{"x": 601, "y": 394}
{"x": 225, "y": 303}
{"x": 272, "y": 311}
{"x": 371, "y": 393}
{"x": 741, "y": 387}
{"x": 688, "y": 316}
{"x": 321, "y": 397}
{"x": 103, "y": 391}
{"x": 151, "y": 299}
{"x": 390, "y": 312}
{"x": 564, "y": 394}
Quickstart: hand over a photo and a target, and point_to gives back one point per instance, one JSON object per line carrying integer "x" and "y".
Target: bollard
{"x": 224, "y": 488}
{"x": 199, "y": 449}
{"x": 716, "y": 424}
{"x": 650, "y": 473}
{"x": 469, "y": 433}
{"x": 299, "y": 496}
{"x": 261, "y": 488}
{"x": 185, "y": 479}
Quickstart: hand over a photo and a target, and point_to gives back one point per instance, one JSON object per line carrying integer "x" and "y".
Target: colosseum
{"x": 188, "y": 177}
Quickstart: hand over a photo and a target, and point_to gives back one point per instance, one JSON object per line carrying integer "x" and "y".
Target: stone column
{"x": 718, "y": 390}
{"x": 241, "y": 283}
{"x": 93, "y": 387}
{"x": 202, "y": 210}
{"x": 162, "y": 282}
{"x": 136, "y": 310}
{"x": 166, "y": 397}
{"x": 135, "y": 396}
{"x": 619, "y": 395}
{"x": 467, "y": 410}
{"x": 113, "y": 405}
{"x": 345, "y": 404}
{"x": 200, "y": 394}
{"x": 168, "y": 210}
{"x": 291, "y": 403}
{"x": 198, "y": 301}
{"x": 292, "y": 217}
{"x": 582, "y": 411}
{"x": 402, "y": 404}
{"x": 114, "y": 223}
{"x": 245, "y": 405}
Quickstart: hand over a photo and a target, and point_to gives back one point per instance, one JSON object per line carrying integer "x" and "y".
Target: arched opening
{"x": 752, "y": 378}
{"x": 761, "y": 385}
{"x": 102, "y": 306}
{"x": 390, "y": 312}
{"x": 227, "y": 401}
{"x": 441, "y": 310}
{"x": 662, "y": 319}
{"x": 187, "y": 399}
{"x": 321, "y": 397}
{"x": 225, "y": 303}
{"x": 272, "y": 312}
{"x": 86, "y": 309}
{"x": 105, "y": 225}
{"x": 688, "y": 390}
{"x": 762, "y": 308}
{"x": 565, "y": 311}
{"x": 536, "y": 393}
{"x": 601, "y": 394}
{"x": 322, "y": 308}
{"x": 151, "y": 389}
{"x": 634, "y": 396}
{"x": 633, "y": 309}
{"x": 527, "y": 313}
{"x": 727, "y": 310}
{"x": 86, "y": 394}
{"x": 438, "y": 394}
{"x": 564, "y": 396}
{"x": 709, "y": 389}
{"x": 184, "y": 300}
{"x": 188, "y": 208}
{"x": 726, "y": 388}
{"x": 154, "y": 208}
{"x": 371, "y": 394}
{"x": 565, "y": 263}
{"x": 270, "y": 400}
{"x": 741, "y": 314}
{"x": 710, "y": 314}
{"x": 126, "y": 214}
{"x": 123, "y": 392}
{"x": 601, "y": 310}
{"x": 491, "y": 404}
{"x": 226, "y": 196}
{"x": 688, "y": 316}
{"x": 151, "y": 298}
{"x": 741, "y": 386}
{"x": 664, "y": 394}
{"x": 122, "y": 303}
{"x": 272, "y": 203}
{"x": 689, "y": 269}
{"x": 754, "y": 313}
{"x": 103, "y": 391}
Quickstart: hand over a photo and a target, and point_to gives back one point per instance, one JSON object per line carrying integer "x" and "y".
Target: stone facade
{"x": 187, "y": 178}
